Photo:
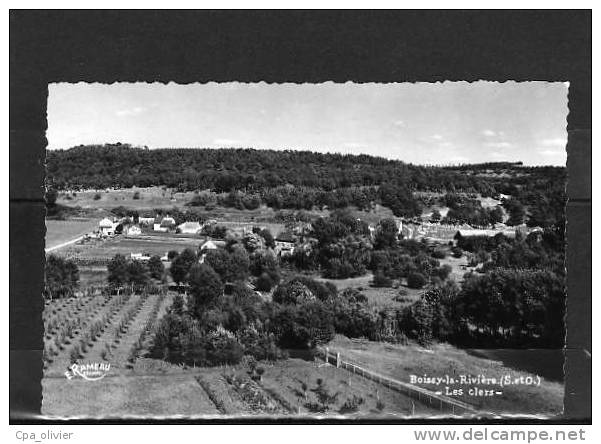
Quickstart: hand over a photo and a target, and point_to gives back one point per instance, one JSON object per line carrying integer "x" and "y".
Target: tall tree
{"x": 387, "y": 235}
{"x": 205, "y": 288}
{"x": 180, "y": 266}
{"x": 117, "y": 270}
{"x": 61, "y": 277}
{"x": 156, "y": 267}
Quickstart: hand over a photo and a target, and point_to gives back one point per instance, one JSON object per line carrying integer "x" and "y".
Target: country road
{"x": 64, "y": 244}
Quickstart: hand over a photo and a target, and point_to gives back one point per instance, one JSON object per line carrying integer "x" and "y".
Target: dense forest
{"x": 103, "y": 166}
{"x": 247, "y": 178}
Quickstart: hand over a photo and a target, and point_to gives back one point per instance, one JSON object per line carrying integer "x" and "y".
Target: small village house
{"x": 133, "y": 230}
{"x": 284, "y": 244}
{"x": 167, "y": 223}
{"x": 107, "y": 227}
{"x": 139, "y": 257}
{"x": 189, "y": 228}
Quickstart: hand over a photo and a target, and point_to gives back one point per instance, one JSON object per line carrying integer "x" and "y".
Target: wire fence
{"x": 426, "y": 397}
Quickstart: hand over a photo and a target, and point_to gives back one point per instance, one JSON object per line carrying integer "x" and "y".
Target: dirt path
{"x": 64, "y": 244}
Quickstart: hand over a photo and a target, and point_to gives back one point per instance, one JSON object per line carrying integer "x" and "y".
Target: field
{"x": 377, "y": 297}
{"x": 59, "y": 231}
{"x": 385, "y": 297}
{"x": 118, "y": 329}
{"x": 152, "y": 197}
{"x": 151, "y": 245}
{"x": 400, "y": 362}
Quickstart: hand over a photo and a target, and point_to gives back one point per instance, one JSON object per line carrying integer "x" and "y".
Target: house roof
{"x": 209, "y": 245}
{"x": 105, "y": 223}
{"x": 190, "y": 226}
{"x": 166, "y": 221}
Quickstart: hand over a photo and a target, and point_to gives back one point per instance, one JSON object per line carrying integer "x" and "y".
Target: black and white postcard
{"x": 316, "y": 250}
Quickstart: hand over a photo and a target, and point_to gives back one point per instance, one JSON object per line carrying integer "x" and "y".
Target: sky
{"x": 422, "y": 123}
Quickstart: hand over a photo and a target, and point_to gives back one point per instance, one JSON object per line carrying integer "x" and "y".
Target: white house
{"x": 134, "y": 230}
{"x": 139, "y": 257}
{"x": 168, "y": 221}
{"x": 107, "y": 227}
{"x": 284, "y": 244}
{"x": 163, "y": 225}
{"x": 189, "y": 228}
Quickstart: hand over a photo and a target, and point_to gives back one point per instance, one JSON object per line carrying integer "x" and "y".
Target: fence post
{"x": 338, "y": 360}
{"x": 327, "y": 357}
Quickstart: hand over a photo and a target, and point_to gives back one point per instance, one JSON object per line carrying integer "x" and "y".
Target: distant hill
{"x": 223, "y": 170}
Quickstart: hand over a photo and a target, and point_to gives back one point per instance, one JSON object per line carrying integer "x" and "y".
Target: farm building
{"x": 165, "y": 224}
{"x": 284, "y": 244}
{"x": 107, "y": 227}
{"x": 139, "y": 257}
{"x": 189, "y": 228}
{"x": 133, "y": 230}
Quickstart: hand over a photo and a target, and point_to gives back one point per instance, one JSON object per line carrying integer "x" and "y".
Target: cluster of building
{"x": 445, "y": 232}
{"x": 162, "y": 224}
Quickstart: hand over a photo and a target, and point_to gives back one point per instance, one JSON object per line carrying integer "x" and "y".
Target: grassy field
{"x": 400, "y": 362}
{"x": 152, "y": 197}
{"x": 377, "y": 297}
{"x": 107, "y": 249}
{"x": 138, "y": 385}
{"x": 458, "y": 266}
{"x": 59, "y": 231}
{"x": 119, "y": 330}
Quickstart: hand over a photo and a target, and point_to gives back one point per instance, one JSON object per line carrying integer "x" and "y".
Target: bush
{"x": 260, "y": 346}
{"x": 351, "y": 405}
{"x": 292, "y": 292}
{"x": 354, "y": 296}
{"x": 156, "y": 267}
{"x": 439, "y": 253}
{"x": 61, "y": 277}
{"x": 289, "y": 291}
{"x": 97, "y": 196}
{"x": 416, "y": 280}
{"x": 264, "y": 282}
{"x": 136, "y": 195}
{"x": 457, "y": 252}
{"x": 303, "y": 326}
{"x": 381, "y": 280}
{"x": 205, "y": 287}
{"x": 443, "y": 272}
{"x": 355, "y": 320}
{"x": 223, "y": 348}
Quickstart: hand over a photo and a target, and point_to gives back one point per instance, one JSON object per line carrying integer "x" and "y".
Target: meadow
{"x": 438, "y": 360}
{"x": 105, "y": 249}
{"x": 119, "y": 329}
{"x": 59, "y": 231}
